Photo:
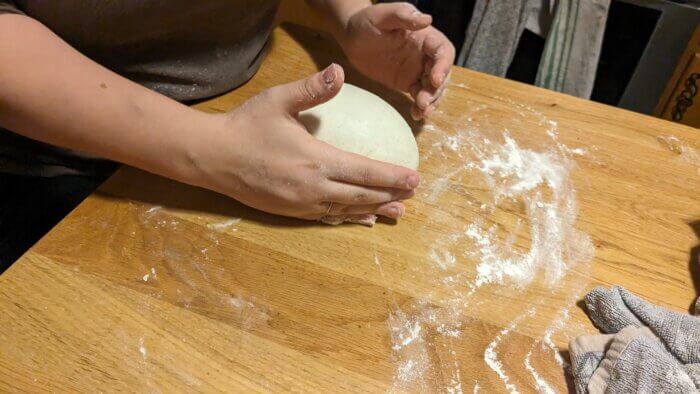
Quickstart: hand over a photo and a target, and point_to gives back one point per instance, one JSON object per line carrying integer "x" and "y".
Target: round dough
{"x": 361, "y": 122}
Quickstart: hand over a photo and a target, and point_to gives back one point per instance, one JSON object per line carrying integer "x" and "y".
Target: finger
{"x": 414, "y": 89}
{"x": 416, "y": 113}
{"x": 428, "y": 96}
{"x": 360, "y": 170}
{"x": 439, "y": 48}
{"x": 399, "y": 16}
{"x": 348, "y": 194}
{"x": 438, "y": 94}
{"x": 424, "y": 98}
{"x": 392, "y": 210}
{"x": 309, "y": 92}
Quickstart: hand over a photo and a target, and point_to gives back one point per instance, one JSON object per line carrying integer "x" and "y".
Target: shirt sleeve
{"x": 9, "y": 7}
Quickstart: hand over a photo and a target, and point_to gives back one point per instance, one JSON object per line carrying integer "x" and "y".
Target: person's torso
{"x": 186, "y": 49}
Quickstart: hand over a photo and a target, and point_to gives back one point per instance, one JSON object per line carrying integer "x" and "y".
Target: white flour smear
{"x": 224, "y": 225}
{"x": 418, "y": 366}
{"x": 142, "y": 349}
{"x": 444, "y": 259}
{"x": 153, "y": 209}
{"x": 555, "y": 244}
{"x": 502, "y": 177}
{"x": 491, "y": 357}
{"x": 546, "y": 344}
{"x": 685, "y": 153}
{"x": 541, "y": 383}
{"x": 541, "y": 182}
{"x": 413, "y": 352}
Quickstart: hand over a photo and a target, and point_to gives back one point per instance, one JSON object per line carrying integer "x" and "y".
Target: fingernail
{"x": 412, "y": 181}
{"x": 394, "y": 212}
{"x": 329, "y": 74}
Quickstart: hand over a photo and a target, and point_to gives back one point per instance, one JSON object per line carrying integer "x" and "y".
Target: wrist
{"x": 340, "y": 12}
{"x": 194, "y": 147}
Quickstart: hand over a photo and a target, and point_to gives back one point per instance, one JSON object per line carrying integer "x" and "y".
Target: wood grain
{"x": 150, "y": 285}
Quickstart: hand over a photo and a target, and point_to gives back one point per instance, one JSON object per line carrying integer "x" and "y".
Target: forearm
{"x": 337, "y": 12}
{"x": 52, "y": 93}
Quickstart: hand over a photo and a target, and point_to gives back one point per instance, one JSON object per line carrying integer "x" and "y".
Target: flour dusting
{"x": 491, "y": 356}
{"x": 153, "y": 209}
{"x": 224, "y": 225}
{"x": 410, "y": 350}
{"x": 686, "y": 153}
{"x": 542, "y": 385}
{"x": 444, "y": 259}
{"x": 142, "y": 349}
{"x": 521, "y": 233}
{"x": 555, "y": 243}
{"x": 404, "y": 334}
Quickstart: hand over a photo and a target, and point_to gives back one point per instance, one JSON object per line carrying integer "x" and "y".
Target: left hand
{"x": 395, "y": 44}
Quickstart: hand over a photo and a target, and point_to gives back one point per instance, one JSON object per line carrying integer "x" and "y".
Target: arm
{"x": 52, "y": 93}
{"x": 258, "y": 154}
{"x": 336, "y": 13}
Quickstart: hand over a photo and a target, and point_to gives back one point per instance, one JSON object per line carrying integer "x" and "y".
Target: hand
{"x": 394, "y": 44}
{"x": 263, "y": 156}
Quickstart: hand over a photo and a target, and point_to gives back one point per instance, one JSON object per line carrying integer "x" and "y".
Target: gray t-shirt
{"x": 184, "y": 49}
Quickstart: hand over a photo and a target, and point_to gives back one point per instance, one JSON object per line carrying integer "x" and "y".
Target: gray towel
{"x": 571, "y": 54}
{"x": 493, "y": 34}
{"x": 649, "y": 349}
{"x": 573, "y": 29}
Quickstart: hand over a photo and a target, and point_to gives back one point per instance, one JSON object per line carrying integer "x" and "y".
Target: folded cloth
{"x": 573, "y": 29}
{"x": 572, "y": 50}
{"x": 493, "y": 34}
{"x": 649, "y": 349}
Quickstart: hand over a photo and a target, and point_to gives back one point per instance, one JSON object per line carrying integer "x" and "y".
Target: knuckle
{"x": 307, "y": 90}
{"x": 365, "y": 175}
{"x": 292, "y": 197}
{"x": 313, "y": 165}
{"x": 406, "y": 9}
{"x": 361, "y": 197}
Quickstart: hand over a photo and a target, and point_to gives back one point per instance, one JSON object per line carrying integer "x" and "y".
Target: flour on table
{"x": 142, "y": 349}
{"x": 491, "y": 356}
{"x": 519, "y": 174}
{"x": 224, "y": 225}
{"x": 686, "y": 153}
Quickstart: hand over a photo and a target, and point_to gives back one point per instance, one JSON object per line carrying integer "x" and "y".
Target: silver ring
{"x": 330, "y": 206}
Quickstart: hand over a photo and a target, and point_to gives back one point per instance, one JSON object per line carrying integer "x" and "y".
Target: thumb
{"x": 311, "y": 91}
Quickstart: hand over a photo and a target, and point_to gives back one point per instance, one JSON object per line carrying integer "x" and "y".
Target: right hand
{"x": 261, "y": 155}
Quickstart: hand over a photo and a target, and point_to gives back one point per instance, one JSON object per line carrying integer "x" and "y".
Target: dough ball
{"x": 361, "y": 122}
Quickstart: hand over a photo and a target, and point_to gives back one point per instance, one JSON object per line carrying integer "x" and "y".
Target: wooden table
{"x": 150, "y": 285}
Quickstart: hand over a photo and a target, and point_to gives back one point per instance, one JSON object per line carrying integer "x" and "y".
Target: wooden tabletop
{"x": 528, "y": 199}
